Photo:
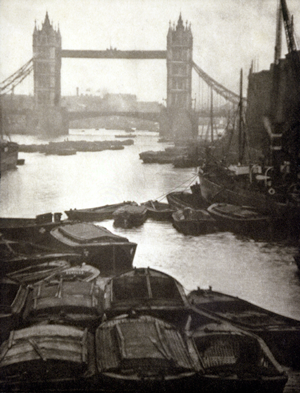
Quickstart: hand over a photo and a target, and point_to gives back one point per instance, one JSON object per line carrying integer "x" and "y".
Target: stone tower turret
{"x": 179, "y": 66}
{"x": 47, "y": 64}
{"x": 179, "y": 79}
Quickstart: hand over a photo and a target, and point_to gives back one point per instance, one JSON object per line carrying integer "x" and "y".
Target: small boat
{"x": 130, "y": 129}
{"x": 193, "y": 222}
{"x": 31, "y": 229}
{"x": 47, "y": 357}
{"x": 116, "y": 147}
{"x": 130, "y": 216}
{"x": 37, "y": 272}
{"x": 126, "y": 136}
{"x": 82, "y": 272}
{"x": 220, "y": 186}
{"x": 159, "y": 157}
{"x": 159, "y": 210}
{"x": 110, "y": 253}
{"x": 96, "y": 213}
{"x": 145, "y": 290}
{"x": 240, "y": 219}
{"x": 187, "y": 161}
{"x": 144, "y": 354}
{"x": 13, "y": 296}
{"x": 181, "y": 199}
{"x": 281, "y": 334}
{"x": 8, "y": 154}
{"x": 66, "y": 152}
{"x": 235, "y": 361}
{"x": 59, "y": 149}
{"x": 65, "y": 300}
{"x": 17, "y": 255}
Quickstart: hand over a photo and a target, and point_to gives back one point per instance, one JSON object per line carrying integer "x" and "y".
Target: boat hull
{"x": 36, "y": 272}
{"x": 146, "y": 290}
{"x": 183, "y": 383}
{"x": 241, "y": 220}
{"x": 12, "y": 302}
{"x": 154, "y": 355}
{"x": 193, "y": 222}
{"x": 97, "y": 213}
{"x": 280, "y": 333}
{"x": 159, "y": 211}
{"x": 8, "y": 156}
{"x": 209, "y": 384}
{"x": 29, "y": 229}
{"x": 130, "y": 216}
{"x": 213, "y": 192}
{"x": 180, "y": 200}
{"x": 69, "y": 301}
{"x": 47, "y": 358}
{"x": 109, "y": 253}
{"x": 234, "y": 360}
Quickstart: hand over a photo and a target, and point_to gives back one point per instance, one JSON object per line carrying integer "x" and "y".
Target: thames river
{"x": 260, "y": 272}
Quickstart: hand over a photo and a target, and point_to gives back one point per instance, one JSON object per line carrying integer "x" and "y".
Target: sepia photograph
{"x": 150, "y": 196}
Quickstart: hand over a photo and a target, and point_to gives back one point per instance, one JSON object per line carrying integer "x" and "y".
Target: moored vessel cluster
{"x": 76, "y": 313}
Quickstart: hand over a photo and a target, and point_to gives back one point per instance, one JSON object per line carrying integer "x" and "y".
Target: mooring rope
{"x": 190, "y": 180}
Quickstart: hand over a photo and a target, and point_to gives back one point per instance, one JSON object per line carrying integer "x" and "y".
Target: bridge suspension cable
{"x": 217, "y": 87}
{"x": 16, "y": 78}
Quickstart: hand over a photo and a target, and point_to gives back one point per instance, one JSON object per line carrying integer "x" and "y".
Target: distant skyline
{"x": 228, "y": 35}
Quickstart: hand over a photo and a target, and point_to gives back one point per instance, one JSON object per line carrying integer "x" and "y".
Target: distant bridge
{"x": 179, "y": 116}
{"x": 152, "y": 116}
{"x": 114, "y": 54}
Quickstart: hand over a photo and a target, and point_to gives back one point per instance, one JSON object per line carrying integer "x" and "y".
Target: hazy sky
{"x": 228, "y": 35}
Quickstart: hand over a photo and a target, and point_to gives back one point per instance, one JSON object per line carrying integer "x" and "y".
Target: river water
{"x": 262, "y": 273}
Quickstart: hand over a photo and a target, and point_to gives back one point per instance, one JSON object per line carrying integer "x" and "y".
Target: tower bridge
{"x": 152, "y": 116}
{"x": 114, "y": 54}
{"x": 178, "y": 118}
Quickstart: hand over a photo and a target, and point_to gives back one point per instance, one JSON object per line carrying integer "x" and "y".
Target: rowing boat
{"x": 281, "y": 334}
{"x": 96, "y": 213}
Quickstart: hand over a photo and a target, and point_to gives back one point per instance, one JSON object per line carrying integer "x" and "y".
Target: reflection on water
{"x": 259, "y": 272}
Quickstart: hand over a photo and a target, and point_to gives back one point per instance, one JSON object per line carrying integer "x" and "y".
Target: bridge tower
{"x": 47, "y": 64}
{"x": 47, "y": 75}
{"x": 179, "y": 80}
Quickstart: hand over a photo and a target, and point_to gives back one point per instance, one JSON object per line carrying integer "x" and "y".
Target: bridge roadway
{"x": 76, "y": 115}
{"x": 114, "y": 54}
{"x": 153, "y": 116}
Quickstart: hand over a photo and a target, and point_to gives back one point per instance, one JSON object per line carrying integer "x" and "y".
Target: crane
{"x": 291, "y": 41}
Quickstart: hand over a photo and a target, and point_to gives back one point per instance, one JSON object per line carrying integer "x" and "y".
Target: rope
{"x": 190, "y": 180}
